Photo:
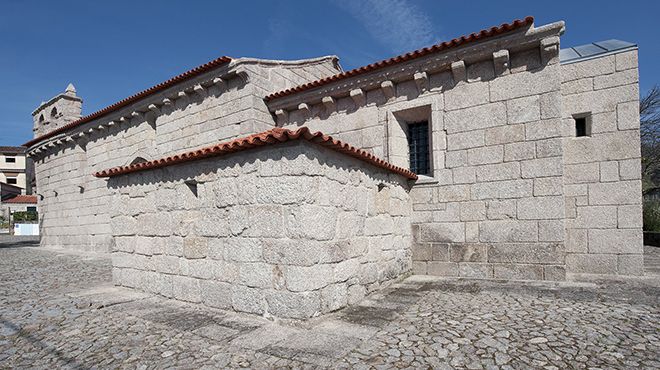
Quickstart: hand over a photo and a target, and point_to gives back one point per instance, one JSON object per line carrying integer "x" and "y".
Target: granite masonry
{"x": 526, "y": 164}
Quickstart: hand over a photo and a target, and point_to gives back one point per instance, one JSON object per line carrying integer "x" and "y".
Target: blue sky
{"x": 112, "y": 49}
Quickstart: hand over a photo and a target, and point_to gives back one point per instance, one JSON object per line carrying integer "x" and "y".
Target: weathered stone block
{"x": 581, "y": 173}
{"x": 195, "y": 247}
{"x": 501, "y": 209}
{"x": 485, "y": 155}
{"x": 500, "y": 171}
{"x": 519, "y": 151}
{"x": 504, "y": 134}
{"x": 615, "y": 193}
{"x": 630, "y": 169}
{"x": 473, "y": 211}
{"x": 216, "y": 294}
{"x": 442, "y": 268}
{"x": 421, "y": 252}
{"x": 468, "y": 253}
{"x": 502, "y": 189}
{"x": 523, "y": 110}
{"x": 475, "y": 118}
{"x": 615, "y": 241}
{"x": 186, "y": 289}
{"x": 545, "y": 253}
{"x": 303, "y": 278}
{"x": 508, "y": 231}
{"x": 554, "y": 273}
{"x": 334, "y": 297}
{"x": 591, "y": 263}
{"x": 541, "y": 208}
{"x": 475, "y": 270}
{"x": 246, "y": 299}
{"x": 294, "y": 305}
{"x": 518, "y": 272}
{"x": 630, "y": 264}
{"x": 629, "y": 216}
{"x": 440, "y": 252}
{"x": 546, "y": 186}
{"x": 551, "y": 231}
{"x": 542, "y": 167}
{"x": 448, "y": 232}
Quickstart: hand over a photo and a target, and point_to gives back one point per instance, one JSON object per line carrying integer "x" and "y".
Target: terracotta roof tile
{"x": 274, "y": 136}
{"x": 22, "y": 199}
{"x": 493, "y": 31}
{"x": 133, "y": 98}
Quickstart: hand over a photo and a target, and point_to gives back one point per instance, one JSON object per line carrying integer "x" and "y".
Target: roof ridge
{"x": 268, "y": 137}
{"x": 475, "y": 36}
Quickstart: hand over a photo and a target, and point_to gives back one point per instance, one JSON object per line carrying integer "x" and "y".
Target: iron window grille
{"x": 418, "y": 147}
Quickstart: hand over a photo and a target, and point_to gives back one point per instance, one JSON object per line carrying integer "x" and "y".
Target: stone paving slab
{"x": 58, "y": 310}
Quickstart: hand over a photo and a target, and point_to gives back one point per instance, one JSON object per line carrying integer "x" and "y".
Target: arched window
{"x": 41, "y": 118}
{"x": 53, "y": 112}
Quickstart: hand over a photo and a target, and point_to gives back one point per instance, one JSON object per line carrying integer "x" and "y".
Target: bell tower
{"x": 57, "y": 112}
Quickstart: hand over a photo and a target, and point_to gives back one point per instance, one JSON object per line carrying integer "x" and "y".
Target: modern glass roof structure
{"x": 594, "y": 50}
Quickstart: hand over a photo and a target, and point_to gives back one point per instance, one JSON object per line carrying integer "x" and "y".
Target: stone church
{"x": 295, "y": 188}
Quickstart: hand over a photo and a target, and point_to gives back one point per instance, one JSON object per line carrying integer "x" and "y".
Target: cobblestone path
{"x": 59, "y": 310}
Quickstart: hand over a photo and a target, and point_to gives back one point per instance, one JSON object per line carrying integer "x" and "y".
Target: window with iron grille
{"x": 418, "y": 147}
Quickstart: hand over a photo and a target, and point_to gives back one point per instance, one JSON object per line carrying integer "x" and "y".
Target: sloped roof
{"x": 22, "y": 199}
{"x": 594, "y": 50}
{"x": 460, "y": 41}
{"x": 12, "y": 149}
{"x": 134, "y": 98}
{"x": 270, "y": 137}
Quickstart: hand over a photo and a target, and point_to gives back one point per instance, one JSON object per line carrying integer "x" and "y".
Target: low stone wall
{"x": 292, "y": 230}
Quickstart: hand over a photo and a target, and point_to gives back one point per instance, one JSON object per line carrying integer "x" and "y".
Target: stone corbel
{"x": 243, "y": 74}
{"x": 388, "y": 89}
{"x": 422, "y": 81}
{"x": 501, "y": 61}
{"x": 112, "y": 123}
{"x": 168, "y": 102}
{"x": 183, "y": 96}
{"x": 200, "y": 90}
{"x": 125, "y": 120}
{"x": 153, "y": 108}
{"x": 458, "y": 71}
{"x": 549, "y": 48}
{"x": 358, "y": 97}
{"x": 304, "y": 109}
{"x": 282, "y": 117}
{"x": 220, "y": 82}
{"x": 100, "y": 127}
{"x": 136, "y": 114}
{"x": 329, "y": 103}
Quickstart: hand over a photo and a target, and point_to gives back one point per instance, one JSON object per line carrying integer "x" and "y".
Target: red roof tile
{"x": 22, "y": 199}
{"x": 133, "y": 98}
{"x": 493, "y": 31}
{"x": 274, "y": 136}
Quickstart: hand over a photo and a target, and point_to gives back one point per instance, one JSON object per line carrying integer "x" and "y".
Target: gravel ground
{"x": 59, "y": 310}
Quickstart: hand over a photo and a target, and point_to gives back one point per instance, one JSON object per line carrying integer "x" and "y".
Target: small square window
{"x": 418, "y": 148}
{"x": 582, "y": 125}
{"x": 12, "y": 181}
{"x": 10, "y": 160}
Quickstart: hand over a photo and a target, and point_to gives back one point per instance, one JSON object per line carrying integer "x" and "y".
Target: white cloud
{"x": 397, "y": 24}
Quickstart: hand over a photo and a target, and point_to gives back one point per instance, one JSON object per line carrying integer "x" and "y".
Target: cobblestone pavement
{"x": 58, "y": 310}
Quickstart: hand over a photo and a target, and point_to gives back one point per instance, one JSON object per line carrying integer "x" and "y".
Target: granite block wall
{"x": 293, "y": 230}
{"x": 75, "y": 205}
{"x": 602, "y": 181}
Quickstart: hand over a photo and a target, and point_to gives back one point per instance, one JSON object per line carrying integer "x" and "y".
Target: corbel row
{"x": 153, "y": 109}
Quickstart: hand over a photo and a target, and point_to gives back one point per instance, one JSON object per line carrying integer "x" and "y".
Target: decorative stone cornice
{"x": 433, "y": 63}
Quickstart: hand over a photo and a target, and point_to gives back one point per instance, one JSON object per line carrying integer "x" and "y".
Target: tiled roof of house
{"x": 22, "y": 199}
{"x": 460, "y": 41}
{"x": 273, "y": 136}
{"x": 133, "y": 98}
{"x": 12, "y": 149}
